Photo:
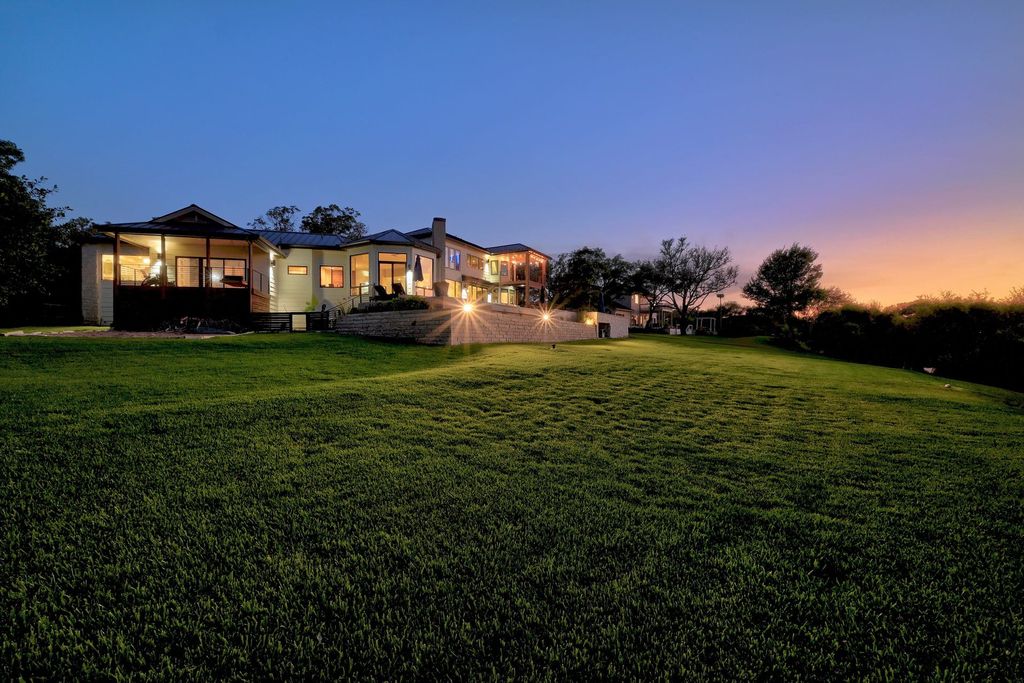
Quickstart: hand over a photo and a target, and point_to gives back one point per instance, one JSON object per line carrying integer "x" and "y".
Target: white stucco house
{"x": 191, "y": 262}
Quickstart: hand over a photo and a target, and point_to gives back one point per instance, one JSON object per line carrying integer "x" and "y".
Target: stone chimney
{"x": 438, "y": 237}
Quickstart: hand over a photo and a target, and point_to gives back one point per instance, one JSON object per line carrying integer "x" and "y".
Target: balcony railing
{"x": 194, "y": 276}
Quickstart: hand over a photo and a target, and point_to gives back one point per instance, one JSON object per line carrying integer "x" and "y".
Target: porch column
{"x": 206, "y": 280}
{"x": 526, "y": 298}
{"x": 117, "y": 272}
{"x": 163, "y": 266}
{"x": 251, "y": 271}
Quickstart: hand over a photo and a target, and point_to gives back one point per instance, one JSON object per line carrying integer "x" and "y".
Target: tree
{"x": 1015, "y": 297}
{"x": 334, "y": 220}
{"x": 651, "y": 282}
{"x": 587, "y": 277}
{"x": 695, "y": 273}
{"x": 786, "y": 283}
{"x": 36, "y": 245}
{"x": 280, "y": 218}
{"x": 832, "y": 299}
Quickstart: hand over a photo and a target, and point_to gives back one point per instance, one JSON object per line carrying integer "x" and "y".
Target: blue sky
{"x": 890, "y": 136}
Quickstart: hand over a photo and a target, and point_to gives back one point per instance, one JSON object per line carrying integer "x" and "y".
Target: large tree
{"x": 38, "y": 247}
{"x": 788, "y": 282}
{"x": 695, "y": 272}
{"x": 279, "y": 218}
{"x": 334, "y": 220}
{"x": 589, "y": 278}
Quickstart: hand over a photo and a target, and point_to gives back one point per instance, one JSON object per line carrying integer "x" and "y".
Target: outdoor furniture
{"x": 382, "y": 294}
{"x": 398, "y": 289}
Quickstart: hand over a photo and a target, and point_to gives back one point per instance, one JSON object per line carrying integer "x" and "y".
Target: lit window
{"x": 134, "y": 268}
{"x": 332, "y": 276}
{"x": 425, "y": 287}
{"x": 359, "y": 269}
{"x": 298, "y": 270}
{"x": 475, "y": 261}
{"x": 391, "y": 270}
{"x": 454, "y": 258}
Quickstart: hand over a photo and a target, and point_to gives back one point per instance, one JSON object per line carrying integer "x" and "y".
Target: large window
{"x": 133, "y": 268}
{"x": 359, "y": 274}
{"x": 454, "y": 288}
{"x": 391, "y": 269}
{"x": 454, "y": 258}
{"x": 425, "y": 287}
{"x": 492, "y": 267}
{"x": 474, "y": 262}
{"x": 332, "y": 276}
{"x": 227, "y": 272}
{"x": 192, "y": 271}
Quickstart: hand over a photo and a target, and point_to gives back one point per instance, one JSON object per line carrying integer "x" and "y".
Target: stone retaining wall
{"x": 485, "y": 324}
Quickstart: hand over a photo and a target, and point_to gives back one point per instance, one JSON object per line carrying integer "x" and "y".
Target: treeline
{"x": 979, "y": 341}
{"x": 971, "y": 338}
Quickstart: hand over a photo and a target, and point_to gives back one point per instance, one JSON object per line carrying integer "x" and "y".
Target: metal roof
{"x": 282, "y": 238}
{"x": 305, "y": 240}
{"x": 213, "y": 230}
{"x": 514, "y": 247}
{"x": 427, "y": 232}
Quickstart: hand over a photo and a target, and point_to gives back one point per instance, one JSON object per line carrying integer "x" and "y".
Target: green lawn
{"x": 319, "y": 506}
{"x": 53, "y": 329}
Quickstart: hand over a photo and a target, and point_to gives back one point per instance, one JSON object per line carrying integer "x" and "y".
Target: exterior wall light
{"x": 467, "y": 307}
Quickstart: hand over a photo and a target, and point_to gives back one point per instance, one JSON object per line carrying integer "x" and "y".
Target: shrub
{"x": 408, "y": 303}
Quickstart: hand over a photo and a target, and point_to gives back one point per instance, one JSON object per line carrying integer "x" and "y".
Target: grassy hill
{"x": 312, "y": 505}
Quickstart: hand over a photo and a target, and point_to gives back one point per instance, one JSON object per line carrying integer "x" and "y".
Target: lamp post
{"x": 720, "y": 297}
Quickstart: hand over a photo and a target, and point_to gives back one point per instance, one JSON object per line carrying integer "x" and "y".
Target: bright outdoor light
{"x": 547, "y": 316}
{"x": 467, "y": 307}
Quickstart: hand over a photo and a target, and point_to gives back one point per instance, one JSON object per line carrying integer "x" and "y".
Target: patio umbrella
{"x": 417, "y": 270}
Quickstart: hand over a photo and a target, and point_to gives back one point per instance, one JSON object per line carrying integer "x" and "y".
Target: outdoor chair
{"x": 398, "y": 289}
{"x": 382, "y": 294}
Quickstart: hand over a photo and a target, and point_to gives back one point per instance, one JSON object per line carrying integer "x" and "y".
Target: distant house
{"x": 641, "y": 314}
{"x": 192, "y": 262}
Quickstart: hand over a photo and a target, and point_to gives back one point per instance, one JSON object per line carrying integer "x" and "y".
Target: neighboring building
{"x": 641, "y": 314}
{"x": 192, "y": 262}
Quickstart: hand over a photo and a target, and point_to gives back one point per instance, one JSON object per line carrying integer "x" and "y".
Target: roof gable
{"x": 193, "y": 213}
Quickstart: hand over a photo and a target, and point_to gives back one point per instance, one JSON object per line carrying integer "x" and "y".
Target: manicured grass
{"x": 53, "y": 329}
{"x": 317, "y": 506}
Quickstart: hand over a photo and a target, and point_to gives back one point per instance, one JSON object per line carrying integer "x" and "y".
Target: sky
{"x": 888, "y": 136}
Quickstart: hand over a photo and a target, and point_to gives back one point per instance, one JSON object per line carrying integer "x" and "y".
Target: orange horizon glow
{"x": 910, "y": 259}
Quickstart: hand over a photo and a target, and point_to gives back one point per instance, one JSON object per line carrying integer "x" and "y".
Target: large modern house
{"x": 191, "y": 262}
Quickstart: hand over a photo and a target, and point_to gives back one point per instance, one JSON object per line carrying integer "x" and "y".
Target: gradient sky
{"x": 889, "y": 136}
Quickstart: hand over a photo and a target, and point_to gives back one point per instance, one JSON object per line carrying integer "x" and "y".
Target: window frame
{"x": 359, "y": 288}
{"x": 331, "y": 268}
{"x": 298, "y": 270}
